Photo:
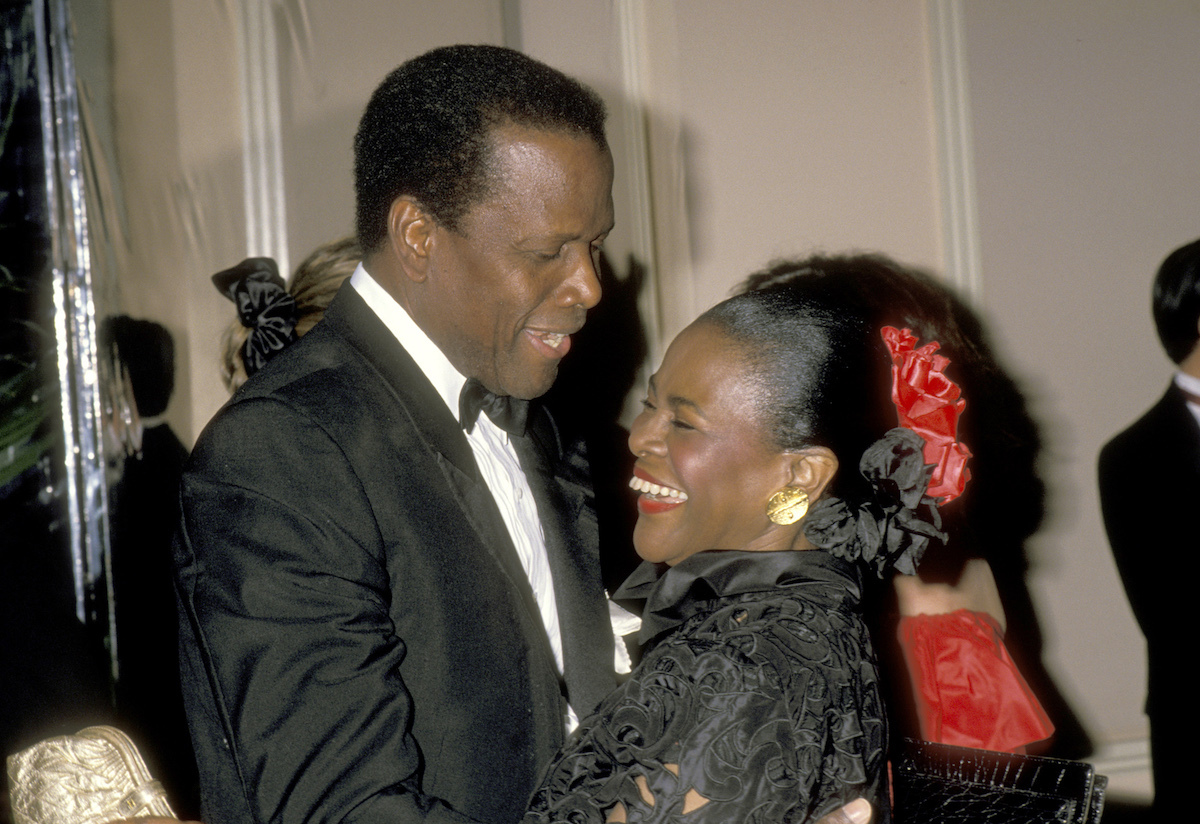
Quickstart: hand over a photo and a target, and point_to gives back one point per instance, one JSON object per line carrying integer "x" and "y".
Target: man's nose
{"x": 582, "y": 287}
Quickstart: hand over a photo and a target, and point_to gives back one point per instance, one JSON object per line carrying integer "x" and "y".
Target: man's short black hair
{"x": 1176, "y": 302}
{"x": 425, "y": 132}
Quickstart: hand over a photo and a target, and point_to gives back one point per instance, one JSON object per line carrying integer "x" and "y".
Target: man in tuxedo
{"x": 392, "y": 609}
{"x": 1149, "y": 490}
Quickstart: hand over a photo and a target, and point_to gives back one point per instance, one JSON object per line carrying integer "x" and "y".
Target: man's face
{"x": 515, "y": 280}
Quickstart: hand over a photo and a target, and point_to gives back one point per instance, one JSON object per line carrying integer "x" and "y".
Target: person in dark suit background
{"x": 388, "y": 609}
{"x": 145, "y": 511}
{"x": 1149, "y": 489}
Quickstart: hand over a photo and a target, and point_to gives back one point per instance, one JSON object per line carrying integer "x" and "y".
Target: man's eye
{"x": 678, "y": 424}
{"x": 649, "y": 407}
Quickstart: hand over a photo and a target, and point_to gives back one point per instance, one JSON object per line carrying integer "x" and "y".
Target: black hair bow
{"x": 263, "y": 306}
{"x": 895, "y": 524}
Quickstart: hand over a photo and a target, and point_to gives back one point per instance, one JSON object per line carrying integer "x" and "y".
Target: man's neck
{"x": 386, "y": 273}
{"x": 420, "y": 347}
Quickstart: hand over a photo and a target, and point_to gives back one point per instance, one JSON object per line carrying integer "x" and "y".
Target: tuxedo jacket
{"x": 1150, "y": 498}
{"x": 359, "y": 641}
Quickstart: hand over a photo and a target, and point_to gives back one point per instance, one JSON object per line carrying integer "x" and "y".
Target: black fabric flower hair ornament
{"x": 911, "y": 470}
{"x": 264, "y": 306}
{"x": 893, "y": 527}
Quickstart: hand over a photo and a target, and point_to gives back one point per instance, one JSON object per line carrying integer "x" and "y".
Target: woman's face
{"x": 704, "y": 466}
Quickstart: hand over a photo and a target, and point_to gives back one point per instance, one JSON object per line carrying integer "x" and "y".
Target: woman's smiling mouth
{"x": 655, "y": 498}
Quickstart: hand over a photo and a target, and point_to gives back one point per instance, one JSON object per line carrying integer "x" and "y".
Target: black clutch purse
{"x": 940, "y": 784}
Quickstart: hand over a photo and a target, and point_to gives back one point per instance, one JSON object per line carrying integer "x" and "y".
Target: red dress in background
{"x": 967, "y": 689}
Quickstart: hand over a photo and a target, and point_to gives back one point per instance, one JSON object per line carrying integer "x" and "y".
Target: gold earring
{"x": 787, "y": 506}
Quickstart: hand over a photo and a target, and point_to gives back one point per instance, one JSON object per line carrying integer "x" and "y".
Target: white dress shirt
{"x": 494, "y": 454}
{"x": 1191, "y": 385}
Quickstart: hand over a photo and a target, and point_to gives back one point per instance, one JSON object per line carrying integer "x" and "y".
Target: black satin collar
{"x": 674, "y": 594}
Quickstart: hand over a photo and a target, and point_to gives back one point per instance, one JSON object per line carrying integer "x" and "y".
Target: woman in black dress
{"x": 771, "y": 474}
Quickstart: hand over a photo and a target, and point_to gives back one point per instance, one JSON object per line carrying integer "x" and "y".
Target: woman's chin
{"x": 659, "y": 552}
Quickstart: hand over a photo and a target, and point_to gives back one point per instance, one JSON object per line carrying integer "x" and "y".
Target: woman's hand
{"x": 857, "y": 811}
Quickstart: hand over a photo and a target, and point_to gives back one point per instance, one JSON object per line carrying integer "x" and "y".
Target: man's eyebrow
{"x": 550, "y": 239}
{"x": 679, "y": 400}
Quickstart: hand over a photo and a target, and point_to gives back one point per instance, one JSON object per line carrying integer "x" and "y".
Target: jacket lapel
{"x": 566, "y": 510}
{"x": 1175, "y": 417}
{"x": 351, "y": 318}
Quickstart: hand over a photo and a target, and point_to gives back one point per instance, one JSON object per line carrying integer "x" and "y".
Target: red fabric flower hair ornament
{"x": 929, "y": 404}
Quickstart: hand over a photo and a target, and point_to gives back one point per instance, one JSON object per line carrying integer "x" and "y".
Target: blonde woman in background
{"x": 272, "y": 314}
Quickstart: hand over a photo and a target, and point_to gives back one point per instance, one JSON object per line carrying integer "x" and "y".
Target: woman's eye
{"x": 649, "y": 407}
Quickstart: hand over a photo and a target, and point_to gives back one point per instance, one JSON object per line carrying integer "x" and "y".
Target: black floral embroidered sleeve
{"x": 758, "y": 701}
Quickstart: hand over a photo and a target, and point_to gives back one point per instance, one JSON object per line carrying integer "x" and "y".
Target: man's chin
{"x": 530, "y": 383}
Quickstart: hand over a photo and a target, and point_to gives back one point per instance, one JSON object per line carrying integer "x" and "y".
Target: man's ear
{"x": 812, "y": 470}
{"x": 411, "y": 232}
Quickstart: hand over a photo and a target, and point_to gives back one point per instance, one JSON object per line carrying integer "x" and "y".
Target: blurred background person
{"x": 271, "y": 313}
{"x": 145, "y": 509}
{"x": 1160, "y": 452}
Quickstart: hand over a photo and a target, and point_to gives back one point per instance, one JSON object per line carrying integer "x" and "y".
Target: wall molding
{"x": 1126, "y": 764}
{"x": 630, "y": 16}
{"x": 956, "y": 168}
{"x": 262, "y": 135}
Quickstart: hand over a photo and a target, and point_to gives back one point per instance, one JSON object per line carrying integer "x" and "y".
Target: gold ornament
{"x": 787, "y": 506}
{"x": 95, "y": 775}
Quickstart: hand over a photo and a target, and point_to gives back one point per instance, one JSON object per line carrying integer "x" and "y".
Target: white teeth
{"x": 553, "y": 339}
{"x": 639, "y": 485}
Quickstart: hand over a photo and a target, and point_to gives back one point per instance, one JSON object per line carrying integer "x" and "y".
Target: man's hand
{"x": 857, "y": 811}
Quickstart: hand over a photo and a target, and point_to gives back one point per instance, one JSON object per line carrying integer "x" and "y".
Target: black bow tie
{"x": 506, "y": 412}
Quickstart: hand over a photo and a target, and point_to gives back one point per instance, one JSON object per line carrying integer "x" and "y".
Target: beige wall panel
{"x": 1088, "y": 172}
{"x": 806, "y": 126}
{"x": 178, "y": 155}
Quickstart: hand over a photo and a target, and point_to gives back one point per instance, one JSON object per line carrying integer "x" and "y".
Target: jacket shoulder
{"x": 1162, "y": 422}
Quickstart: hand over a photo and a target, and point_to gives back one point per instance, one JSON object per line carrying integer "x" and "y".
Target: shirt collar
{"x": 1188, "y": 383}
{"x": 674, "y": 594}
{"x": 429, "y": 359}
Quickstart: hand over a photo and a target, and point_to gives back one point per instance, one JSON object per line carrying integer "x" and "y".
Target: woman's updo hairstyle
{"x": 1005, "y": 491}
{"x": 823, "y": 373}
{"x": 812, "y": 330}
{"x": 887, "y": 294}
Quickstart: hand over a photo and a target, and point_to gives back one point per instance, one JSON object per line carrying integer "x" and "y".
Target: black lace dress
{"x": 757, "y": 700}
